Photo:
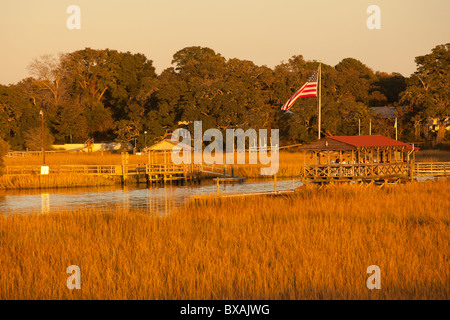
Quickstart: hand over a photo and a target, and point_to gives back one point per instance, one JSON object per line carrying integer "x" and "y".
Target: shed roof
{"x": 370, "y": 141}
{"x": 169, "y": 145}
{"x": 354, "y": 142}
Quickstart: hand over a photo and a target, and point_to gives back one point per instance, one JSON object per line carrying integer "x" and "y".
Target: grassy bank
{"x": 32, "y": 181}
{"x": 95, "y": 158}
{"x": 316, "y": 244}
{"x": 290, "y": 165}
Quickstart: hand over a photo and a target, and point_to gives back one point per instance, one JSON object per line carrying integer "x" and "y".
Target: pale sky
{"x": 266, "y": 32}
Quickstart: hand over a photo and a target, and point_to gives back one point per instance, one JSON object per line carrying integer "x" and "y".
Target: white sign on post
{"x": 44, "y": 170}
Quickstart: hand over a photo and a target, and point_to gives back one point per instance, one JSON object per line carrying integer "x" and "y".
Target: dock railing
{"x": 432, "y": 168}
{"x": 355, "y": 170}
{"x": 225, "y": 170}
{"x": 375, "y": 170}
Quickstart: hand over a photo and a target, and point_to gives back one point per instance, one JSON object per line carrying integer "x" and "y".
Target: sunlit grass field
{"x": 315, "y": 244}
{"x": 94, "y": 158}
{"x": 108, "y": 158}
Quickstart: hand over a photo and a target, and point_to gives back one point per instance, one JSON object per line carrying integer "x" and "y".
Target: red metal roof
{"x": 371, "y": 141}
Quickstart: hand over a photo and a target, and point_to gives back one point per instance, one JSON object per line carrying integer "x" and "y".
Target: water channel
{"x": 160, "y": 200}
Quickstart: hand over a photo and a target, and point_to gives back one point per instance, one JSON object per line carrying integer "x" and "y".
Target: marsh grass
{"x": 95, "y": 158}
{"x": 433, "y": 156}
{"x": 34, "y": 181}
{"x": 315, "y": 244}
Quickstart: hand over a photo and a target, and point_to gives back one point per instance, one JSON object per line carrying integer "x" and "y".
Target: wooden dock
{"x": 230, "y": 179}
{"x": 140, "y": 173}
{"x": 194, "y": 173}
{"x": 239, "y": 195}
{"x": 370, "y": 172}
{"x": 435, "y": 169}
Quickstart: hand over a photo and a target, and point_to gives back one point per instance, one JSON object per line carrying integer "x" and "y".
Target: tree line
{"x": 117, "y": 96}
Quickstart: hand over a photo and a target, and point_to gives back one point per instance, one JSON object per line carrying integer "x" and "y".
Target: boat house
{"x": 357, "y": 158}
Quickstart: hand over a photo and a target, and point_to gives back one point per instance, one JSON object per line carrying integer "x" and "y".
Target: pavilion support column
{"x": 317, "y": 162}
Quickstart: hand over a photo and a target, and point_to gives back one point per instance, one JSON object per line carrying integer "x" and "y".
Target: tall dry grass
{"x": 95, "y": 158}
{"x": 32, "y": 181}
{"x": 316, "y": 244}
{"x": 433, "y": 156}
{"x": 290, "y": 165}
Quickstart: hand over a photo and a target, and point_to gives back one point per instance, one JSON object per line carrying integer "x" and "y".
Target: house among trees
{"x": 360, "y": 158}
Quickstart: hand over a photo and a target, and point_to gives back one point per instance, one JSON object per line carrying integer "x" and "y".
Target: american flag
{"x": 309, "y": 89}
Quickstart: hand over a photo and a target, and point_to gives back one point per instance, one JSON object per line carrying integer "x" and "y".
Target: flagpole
{"x": 320, "y": 111}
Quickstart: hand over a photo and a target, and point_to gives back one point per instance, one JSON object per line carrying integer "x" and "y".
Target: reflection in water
{"x": 45, "y": 202}
{"x": 157, "y": 200}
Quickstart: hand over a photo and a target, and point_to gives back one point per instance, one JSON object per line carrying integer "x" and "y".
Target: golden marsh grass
{"x": 316, "y": 244}
{"x": 32, "y": 181}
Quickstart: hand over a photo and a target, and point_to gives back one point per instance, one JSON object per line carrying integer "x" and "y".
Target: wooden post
{"x": 275, "y": 182}
{"x": 43, "y": 139}
{"x": 412, "y": 165}
{"x": 304, "y": 162}
{"x": 218, "y": 186}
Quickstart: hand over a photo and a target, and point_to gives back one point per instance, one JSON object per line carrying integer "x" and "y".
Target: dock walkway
{"x": 151, "y": 173}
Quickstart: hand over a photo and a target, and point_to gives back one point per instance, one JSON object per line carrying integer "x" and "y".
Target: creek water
{"x": 159, "y": 200}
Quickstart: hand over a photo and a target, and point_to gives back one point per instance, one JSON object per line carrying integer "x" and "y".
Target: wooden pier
{"x": 355, "y": 172}
{"x": 358, "y": 158}
{"x": 139, "y": 173}
{"x": 230, "y": 180}
{"x": 435, "y": 169}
